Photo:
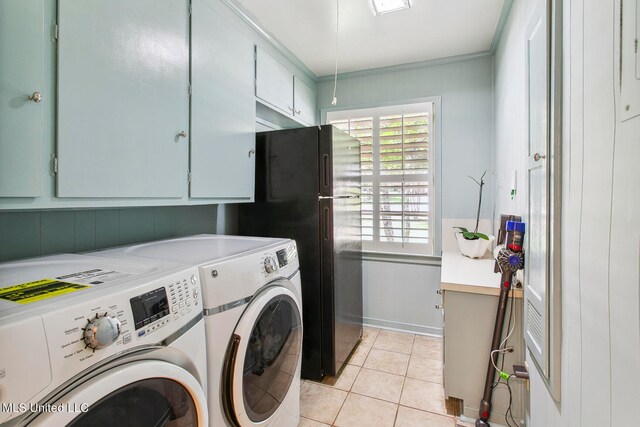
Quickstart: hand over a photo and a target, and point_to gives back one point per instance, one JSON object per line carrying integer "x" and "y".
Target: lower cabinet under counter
{"x": 470, "y": 292}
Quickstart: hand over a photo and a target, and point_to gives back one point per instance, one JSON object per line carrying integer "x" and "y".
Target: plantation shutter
{"x": 396, "y": 177}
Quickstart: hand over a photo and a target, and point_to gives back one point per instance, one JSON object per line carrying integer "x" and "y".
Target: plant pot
{"x": 474, "y": 248}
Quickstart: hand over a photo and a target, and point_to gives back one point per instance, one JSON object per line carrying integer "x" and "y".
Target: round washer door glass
{"x": 150, "y": 402}
{"x": 271, "y": 358}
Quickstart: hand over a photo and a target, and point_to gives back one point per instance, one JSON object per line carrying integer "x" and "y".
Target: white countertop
{"x": 461, "y": 274}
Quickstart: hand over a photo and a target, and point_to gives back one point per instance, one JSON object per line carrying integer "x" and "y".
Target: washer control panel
{"x": 121, "y": 316}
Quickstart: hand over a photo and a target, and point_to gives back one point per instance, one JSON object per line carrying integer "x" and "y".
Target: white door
{"x": 263, "y": 356}
{"x": 536, "y": 290}
{"x": 123, "y": 98}
{"x": 145, "y": 393}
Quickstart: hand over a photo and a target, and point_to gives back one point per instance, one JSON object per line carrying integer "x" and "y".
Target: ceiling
{"x": 431, "y": 29}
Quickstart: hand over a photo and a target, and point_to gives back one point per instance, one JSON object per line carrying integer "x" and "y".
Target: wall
{"x": 600, "y": 347}
{"x": 465, "y": 88}
{"x": 401, "y": 295}
{"x": 32, "y": 233}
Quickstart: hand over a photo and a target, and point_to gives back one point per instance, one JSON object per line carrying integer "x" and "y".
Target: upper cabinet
{"x": 136, "y": 103}
{"x": 281, "y": 90}
{"x": 304, "y": 101}
{"x": 123, "y": 98}
{"x": 22, "y": 98}
{"x": 223, "y": 108}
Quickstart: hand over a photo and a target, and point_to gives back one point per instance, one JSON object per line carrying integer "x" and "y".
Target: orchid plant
{"x": 474, "y": 235}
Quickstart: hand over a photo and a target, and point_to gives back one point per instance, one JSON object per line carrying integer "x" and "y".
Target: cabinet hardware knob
{"x": 439, "y": 291}
{"x": 297, "y": 112}
{"x": 439, "y": 306}
{"x": 182, "y": 134}
{"x": 36, "y": 97}
{"x": 538, "y": 156}
{"x": 252, "y": 152}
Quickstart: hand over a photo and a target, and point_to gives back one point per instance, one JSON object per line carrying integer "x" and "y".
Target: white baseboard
{"x": 402, "y": 327}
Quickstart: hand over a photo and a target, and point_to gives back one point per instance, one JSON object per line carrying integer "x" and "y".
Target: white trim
{"x": 411, "y": 328}
{"x": 253, "y": 23}
{"x": 409, "y": 66}
{"x": 102, "y": 385}
{"x": 375, "y": 112}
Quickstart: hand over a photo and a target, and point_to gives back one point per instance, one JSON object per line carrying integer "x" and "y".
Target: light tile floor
{"x": 392, "y": 379}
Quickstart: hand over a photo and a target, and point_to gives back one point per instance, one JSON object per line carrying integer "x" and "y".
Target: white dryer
{"x": 90, "y": 341}
{"x": 253, "y": 323}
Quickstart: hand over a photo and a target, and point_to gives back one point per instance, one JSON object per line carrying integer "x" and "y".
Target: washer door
{"x": 263, "y": 357}
{"x": 145, "y": 393}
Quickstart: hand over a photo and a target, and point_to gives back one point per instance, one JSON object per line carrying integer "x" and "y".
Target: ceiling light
{"x": 386, "y": 6}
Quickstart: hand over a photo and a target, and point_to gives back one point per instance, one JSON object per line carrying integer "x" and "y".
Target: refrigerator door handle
{"x": 325, "y": 169}
{"x": 325, "y": 224}
{"x": 337, "y": 197}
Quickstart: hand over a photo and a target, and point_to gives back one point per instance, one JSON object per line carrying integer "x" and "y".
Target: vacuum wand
{"x": 510, "y": 259}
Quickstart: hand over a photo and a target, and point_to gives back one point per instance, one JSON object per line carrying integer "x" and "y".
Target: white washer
{"x": 253, "y": 322}
{"x": 90, "y": 341}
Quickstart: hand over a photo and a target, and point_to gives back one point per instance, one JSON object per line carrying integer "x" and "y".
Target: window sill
{"x": 401, "y": 258}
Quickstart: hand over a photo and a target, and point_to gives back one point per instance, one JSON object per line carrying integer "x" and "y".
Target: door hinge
{"x": 54, "y": 165}
{"x": 636, "y": 45}
{"x": 189, "y": 176}
{"x": 190, "y": 9}
{"x": 55, "y": 32}
{"x": 189, "y": 89}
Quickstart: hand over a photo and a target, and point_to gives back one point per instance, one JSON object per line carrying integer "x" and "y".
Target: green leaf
{"x": 464, "y": 230}
{"x": 482, "y": 236}
{"x": 469, "y": 235}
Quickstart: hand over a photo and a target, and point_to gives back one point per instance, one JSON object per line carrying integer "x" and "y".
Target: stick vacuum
{"x": 510, "y": 259}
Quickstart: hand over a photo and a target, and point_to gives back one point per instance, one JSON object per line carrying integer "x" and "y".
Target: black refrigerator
{"x": 308, "y": 189}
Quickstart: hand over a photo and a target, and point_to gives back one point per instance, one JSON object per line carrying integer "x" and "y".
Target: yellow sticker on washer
{"x": 39, "y": 290}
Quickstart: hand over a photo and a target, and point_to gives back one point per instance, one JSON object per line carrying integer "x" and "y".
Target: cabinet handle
{"x": 252, "y": 152}
{"x": 439, "y": 306}
{"x": 182, "y": 134}
{"x": 296, "y": 112}
{"x": 36, "y": 97}
{"x": 439, "y": 291}
{"x": 538, "y": 156}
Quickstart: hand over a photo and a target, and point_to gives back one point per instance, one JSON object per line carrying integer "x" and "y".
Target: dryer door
{"x": 145, "y": 393}
{"x": 263, "y": 357}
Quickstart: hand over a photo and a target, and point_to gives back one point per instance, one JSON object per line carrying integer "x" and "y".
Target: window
{"x": 397, "y": 175}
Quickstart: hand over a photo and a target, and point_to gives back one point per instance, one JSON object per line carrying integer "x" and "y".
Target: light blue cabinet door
{"x": 274, "y": 82}
{"x": 123, "y": 76}
{"x": 21, "y": 119}
{"x": 222, "y": 108}
{"x": 304, "y": 100}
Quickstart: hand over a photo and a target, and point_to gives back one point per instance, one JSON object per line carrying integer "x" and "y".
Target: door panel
{"x": 123, "y": 76}
{"x": 223, "y": 108}
{"x": 21, "y": 74}
{"x": 263, "y": 357}
{"x": 304, "y": 101}
{"x": 144, "y": 393}
{"x": 274, "y": 82}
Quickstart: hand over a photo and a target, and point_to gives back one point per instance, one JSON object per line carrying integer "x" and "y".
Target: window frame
{"x": 431, "y": 105}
